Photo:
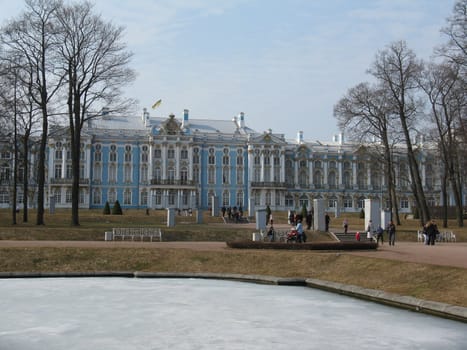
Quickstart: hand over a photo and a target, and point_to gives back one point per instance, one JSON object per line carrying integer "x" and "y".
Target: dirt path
{"x": 445, "y": 254}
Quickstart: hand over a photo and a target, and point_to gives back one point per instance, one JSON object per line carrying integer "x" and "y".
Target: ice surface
{"x": 119, "y": 313}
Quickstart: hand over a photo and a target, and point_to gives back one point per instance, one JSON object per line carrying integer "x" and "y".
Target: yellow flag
{"x": 155, "y": 105}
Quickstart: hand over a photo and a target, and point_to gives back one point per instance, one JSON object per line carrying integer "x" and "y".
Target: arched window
{"x": 318, "y": 179}
{"x": 332, "y": 179}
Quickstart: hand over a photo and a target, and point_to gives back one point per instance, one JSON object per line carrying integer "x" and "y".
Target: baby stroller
{"x": 293, "y": 237}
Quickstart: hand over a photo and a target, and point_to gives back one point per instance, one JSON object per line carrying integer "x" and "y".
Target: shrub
{"x": 107, "y": 208}
{"x": 117, "y": 209}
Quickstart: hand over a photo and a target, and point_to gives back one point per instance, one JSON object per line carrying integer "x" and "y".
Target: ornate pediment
{"x": 267, "y": 138}
{"x": 171, "y": 127}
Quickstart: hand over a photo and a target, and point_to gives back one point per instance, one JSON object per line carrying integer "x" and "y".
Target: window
{"x": 144, "y": 174}
{"x": 58, "y": 171}
{"x": 157, "y": 153}
{"x": 144, "y": 154}
{"x": 69, "y": 171}
{"x": 5, "y": 172}
{"x": 225, "y": 160}
{"x": 58, "y": 154}
{"x": 127, "y": 197}
{"x": 68, "y": 195}
{"x": 157, "y": 174}
{"x": 184, "y": 154}
{"x": 257, "y": 160}
{"x": 332, "y": 202}
{"x": 268, "y": 198}
{"x": 195, "y": 155}
{"x": 127, "y": 173}
{"x": 184, "y": 176}
{"x": 239, "y": 160}
{"x": 171, "y": 175}
{"x": 240, "y": 198}
{"x": 257, "y": 175}
{"x": 348, "y": 202}
{"x": 144, "y": 197}
{"x": 5, "y": 155}
{"x": 289, "y": 201}
{"x": 4, "y": 197}
{"x": 57, "y": 195}
{"x": 303, "y": 178}
{"x": 97, "y": 173}
{"x": 96, "y": 196}
{"x": 158, "y": 197}
{"x": 170, "y": 153}
{"x": 172, "y": 196}
{"x": 211, "y": 175}
{"x": 127, "y": 153}
{"x": 226, "y": 198}
{"x": 195, "y": 174}
{"x": 225, "y": 175}
{"x": 404, "y": 203}
{"x": 347, "y": 179}
{"x": 82, "y": 196}
{"x": 240, "y": 176}
{"x": 113, "y": 153}
{"x": 317, "y": 179}
{"x": 112, "y": 173}
{"x": 257, "y": 198}
{"x": 98, "y": 156}
{"x": 332, "y": 179}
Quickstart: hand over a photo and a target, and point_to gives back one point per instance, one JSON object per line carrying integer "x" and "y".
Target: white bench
{"x": 134, "y": 232}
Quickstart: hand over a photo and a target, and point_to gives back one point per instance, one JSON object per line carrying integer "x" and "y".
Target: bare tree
{"x": 95, "y": 62}
{"x": 398, "y": 70}
{"x": 446, "y": 95}
{"x": 365, "y": 112}
{"x": 455, "y": 50}
{"x": 33, "y": 37}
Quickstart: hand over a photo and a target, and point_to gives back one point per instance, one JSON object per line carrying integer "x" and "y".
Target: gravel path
{"x": 446, "y": 254}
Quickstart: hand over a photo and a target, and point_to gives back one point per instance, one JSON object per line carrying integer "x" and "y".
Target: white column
{"x": 88, "y": 162}
{"x": 282, "y": 172}
{"x": 368, "y": 174}
{"x": 341, "y": 171}
{"x": 190, "y": 164}
{"x": 354, "y": 173}
{"x": 164, "y": 161}
{"x": 326, "y": 169}
{"x": 262, "y": 166}
{"x": 151, "y": 161}
{"x": 63, "y": 162}
{"x": 177, "y": 161}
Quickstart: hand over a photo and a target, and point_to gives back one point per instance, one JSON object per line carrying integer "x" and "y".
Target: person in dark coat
{"x": 431, "y": 232}
{"x": 391, "y": 233}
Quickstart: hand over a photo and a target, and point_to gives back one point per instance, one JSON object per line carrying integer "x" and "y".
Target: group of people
{"x": 430, "y": 231}
{"x": 379, "y": 232}
{"x": 232, "y": 213}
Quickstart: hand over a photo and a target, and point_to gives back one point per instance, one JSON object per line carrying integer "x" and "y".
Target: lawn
{"x": 437, "y": 283}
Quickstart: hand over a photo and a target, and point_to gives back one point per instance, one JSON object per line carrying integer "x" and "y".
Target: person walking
{"x": 379, "y": 235}
{"x": 431, "y": 231}
{"x": 369, "y": 230}
{"x": 346, "y": 225}
{"x": 391, "y": 233}
{"x": 300, "y": 232}
{"x": 327, "y": 220}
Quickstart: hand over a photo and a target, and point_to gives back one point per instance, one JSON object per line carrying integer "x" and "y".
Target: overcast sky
{"x": 284, "y": 64}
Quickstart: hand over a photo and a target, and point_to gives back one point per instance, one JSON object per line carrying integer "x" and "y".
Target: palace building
{"x": 158, "y": 163}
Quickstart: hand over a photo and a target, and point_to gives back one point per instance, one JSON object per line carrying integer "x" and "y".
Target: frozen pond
{"x": 125, "y": 313}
